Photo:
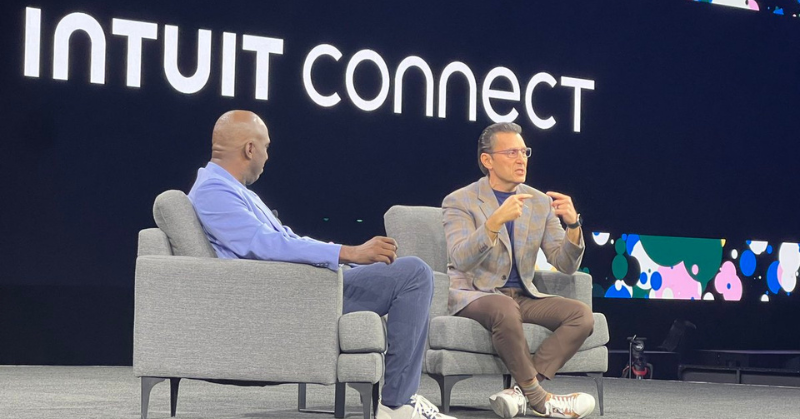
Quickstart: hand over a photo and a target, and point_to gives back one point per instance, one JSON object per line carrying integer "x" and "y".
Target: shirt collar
{"x": 220, "y": 171}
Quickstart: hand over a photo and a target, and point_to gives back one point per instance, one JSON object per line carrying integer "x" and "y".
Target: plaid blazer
{"x": 476, "y": 266}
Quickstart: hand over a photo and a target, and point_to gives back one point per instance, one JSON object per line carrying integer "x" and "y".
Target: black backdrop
{"x": 690, "y": 131}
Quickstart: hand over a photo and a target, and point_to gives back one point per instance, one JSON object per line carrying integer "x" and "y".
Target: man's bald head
{"x": 239, "y": 144}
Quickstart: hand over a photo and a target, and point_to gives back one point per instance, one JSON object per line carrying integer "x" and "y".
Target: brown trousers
{"x": 503, "y": 314}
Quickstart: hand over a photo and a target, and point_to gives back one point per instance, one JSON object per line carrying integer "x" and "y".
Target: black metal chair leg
{"x": 173, "y": 395}
{"x": 446, "y": 383}
{"x": 147, "y": 385}
{"x": 369, "y": 397}
{"x": 301, "y": 396}
{"x": 598, "y": 380}
{"x": 339, "y": 398}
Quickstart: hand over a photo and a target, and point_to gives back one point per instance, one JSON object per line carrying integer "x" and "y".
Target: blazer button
{"x": 503, "y": 278}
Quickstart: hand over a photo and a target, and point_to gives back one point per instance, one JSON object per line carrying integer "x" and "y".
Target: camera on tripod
{"x": 637, "y": 367}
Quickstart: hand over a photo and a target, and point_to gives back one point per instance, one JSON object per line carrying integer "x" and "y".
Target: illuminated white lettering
{"x": 263, "y": 47}
{"x": 578, "y": 84}
{"x": 33, "y": 41}
{"x": 358, "y": 58}
{"x": 64, "y": 30}
{"x": 489, "y": 93}
{"x": 136, "y": 33}
{"x": 198, "y": 80}
{"x": 536, "y": 79}
{"x": 462, "y": 68}
{"x": 308, "y": 83}
{"x": 228, "y": 64}
{"x": 398, "y": 83}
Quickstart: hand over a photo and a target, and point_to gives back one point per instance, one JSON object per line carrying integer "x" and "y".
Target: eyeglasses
{"x": 513, "y": 153}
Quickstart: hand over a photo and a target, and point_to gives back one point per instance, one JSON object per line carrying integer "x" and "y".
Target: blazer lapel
{"x": 521, "y": 226}
{"x": 489, "y": 206}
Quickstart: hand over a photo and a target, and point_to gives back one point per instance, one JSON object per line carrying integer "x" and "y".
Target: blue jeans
{"x": 403, "y": 290}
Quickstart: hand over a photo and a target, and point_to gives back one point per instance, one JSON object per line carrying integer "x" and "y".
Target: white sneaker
{"x": 509, "y": 402}
{"x": 420, "y": 408}
{"x": 570, "y": 406}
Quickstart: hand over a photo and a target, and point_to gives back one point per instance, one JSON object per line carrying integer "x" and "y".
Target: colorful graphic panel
{"x": 686, "y": 268}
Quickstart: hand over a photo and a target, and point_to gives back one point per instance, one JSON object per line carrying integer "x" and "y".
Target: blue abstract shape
{"x": 769, "y": 247}
{"x": 642, "y": 277}
{"x": 656, "y": 281}
{"x": 778, "y": 11}
{"x": 612, "y": 292}
{"x": 773, "y": 283}
{"x": 624, "y": 237}
{"x": 728, "y": 285}
{"x": 747, "y": 262}
{"x": 632, "y": 240}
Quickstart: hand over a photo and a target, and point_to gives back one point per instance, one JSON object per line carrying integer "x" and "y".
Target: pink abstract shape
{"x": 728, "y": 283}
{"x": 695, "y": 269}
{"x": 678, "y": 280}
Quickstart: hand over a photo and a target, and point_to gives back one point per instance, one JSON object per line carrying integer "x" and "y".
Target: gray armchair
{"x": 460, "y": 347}
{"x": 243, "y": 322}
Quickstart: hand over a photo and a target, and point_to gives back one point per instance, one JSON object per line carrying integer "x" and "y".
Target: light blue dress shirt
{"x": 240, "y": 226}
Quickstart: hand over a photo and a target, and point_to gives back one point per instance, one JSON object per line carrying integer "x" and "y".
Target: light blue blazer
{"x": 239, "y": 224}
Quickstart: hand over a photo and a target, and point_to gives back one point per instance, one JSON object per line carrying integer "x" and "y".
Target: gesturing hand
{"x": 509, "y": 211}
{"x": 562, "y": 206}
{"x": 376, "y": 249}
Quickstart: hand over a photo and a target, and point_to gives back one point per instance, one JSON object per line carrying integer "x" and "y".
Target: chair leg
{"x": 338, "y": 404}
{"x": 598, "y": 380}
{"x": 506, "y": 381}
{"x": 173, "y": 395}
{"x": 301, "y": 396}
{"x": 369, "y": 397}
{"x": 446, "y": 383}
{"x": 147, "y": 385}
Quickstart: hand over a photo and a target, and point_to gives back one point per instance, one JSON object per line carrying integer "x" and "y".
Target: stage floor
{"x": 113, "y": 392}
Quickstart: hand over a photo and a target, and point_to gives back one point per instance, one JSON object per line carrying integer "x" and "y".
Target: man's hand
{"x": 509, "y": 211}
{"x": 377, "y": 249}
{"x": 562, "y": 206}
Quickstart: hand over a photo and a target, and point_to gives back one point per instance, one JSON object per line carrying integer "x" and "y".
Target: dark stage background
{"x": 690, "y": 131}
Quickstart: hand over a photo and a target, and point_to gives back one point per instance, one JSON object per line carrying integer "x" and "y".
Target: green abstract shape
{"x": 670, "y": 251}
{"x": 585, "y": 269}
{"x": 598, "y": 291}
{"x": 619, "y": 266}
{"x": 640, "y": 292}
{"x": 619, "y": 246}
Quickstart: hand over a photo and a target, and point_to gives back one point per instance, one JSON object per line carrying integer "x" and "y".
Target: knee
{"x": 418, "y": 274}
{"x": 585, "y": 319}
{"x": 506, "y": 318}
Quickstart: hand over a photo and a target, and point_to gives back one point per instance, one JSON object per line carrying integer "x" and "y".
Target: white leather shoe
{"x": 509, "y": 402}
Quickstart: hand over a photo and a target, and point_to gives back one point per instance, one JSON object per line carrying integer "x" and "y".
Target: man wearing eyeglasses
{"x": 494, "y": 229}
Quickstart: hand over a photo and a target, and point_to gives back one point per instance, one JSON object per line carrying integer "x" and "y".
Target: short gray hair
{"x": 487, "y": 138}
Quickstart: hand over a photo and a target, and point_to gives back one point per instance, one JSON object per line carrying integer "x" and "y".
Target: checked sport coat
{"x": 477, "y": 267}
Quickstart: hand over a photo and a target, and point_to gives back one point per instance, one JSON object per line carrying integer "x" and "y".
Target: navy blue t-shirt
{"x": 514, "y": 281}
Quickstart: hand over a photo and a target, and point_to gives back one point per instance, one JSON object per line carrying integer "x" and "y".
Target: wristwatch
{"x": 577, "y": 224}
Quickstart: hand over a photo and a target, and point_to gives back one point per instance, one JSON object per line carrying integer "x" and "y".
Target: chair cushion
{"x": 419, "y": 232}
{"x": 175, "y": 216}
{"x": 463, "y": 334}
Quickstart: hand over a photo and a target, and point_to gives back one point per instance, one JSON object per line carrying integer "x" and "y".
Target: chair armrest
{"x": 236, "y": 319}
{"x": 153, "y": 241}
{"x": 577, "y": 286}
{"x": 362, "y": 332}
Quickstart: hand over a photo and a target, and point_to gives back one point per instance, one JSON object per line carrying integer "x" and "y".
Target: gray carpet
{"x": 113, "y": 392}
